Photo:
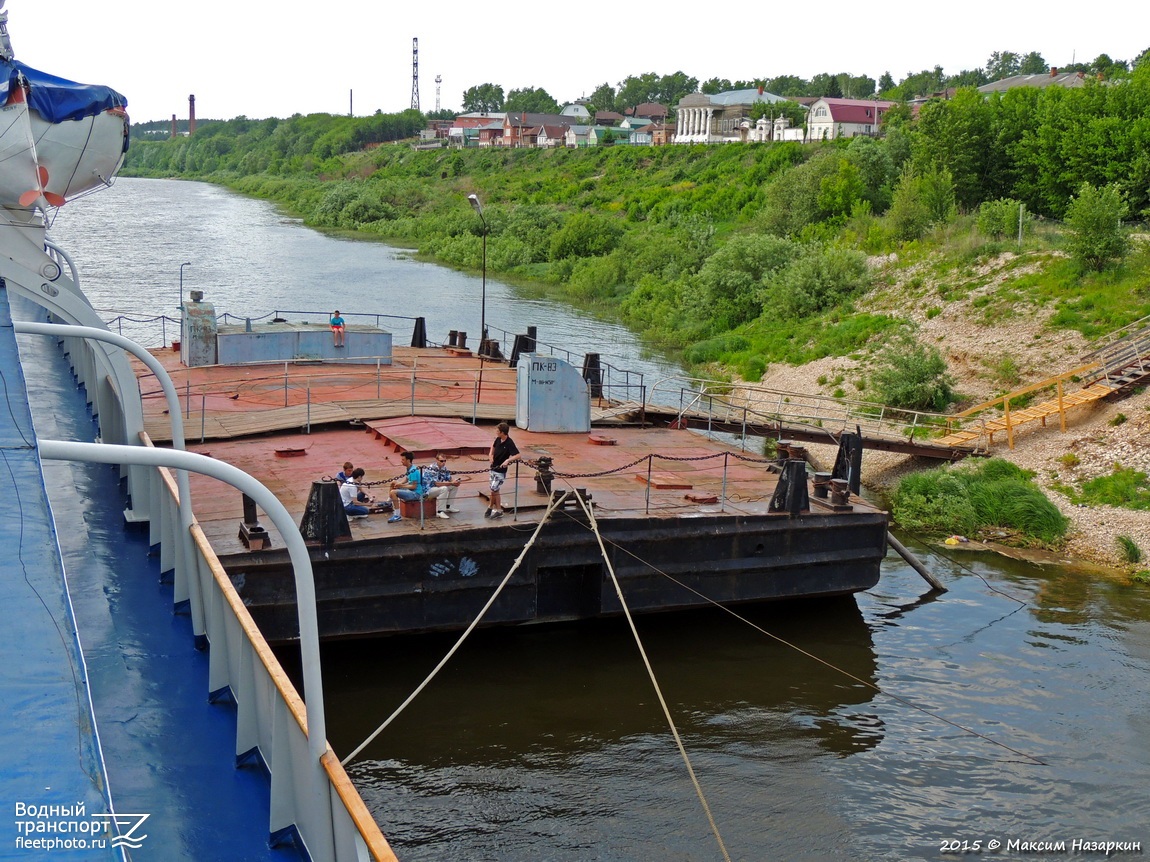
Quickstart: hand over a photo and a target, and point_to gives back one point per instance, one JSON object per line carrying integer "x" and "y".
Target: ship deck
{"x": 251, "y": 417}
{"x": 167, "y": 752}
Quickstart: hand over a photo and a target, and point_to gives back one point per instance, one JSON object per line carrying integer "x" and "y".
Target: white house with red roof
{"x": 844, "y": 118}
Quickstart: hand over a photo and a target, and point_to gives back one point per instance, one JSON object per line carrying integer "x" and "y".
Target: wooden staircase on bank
{"x": 1119, "y": 365}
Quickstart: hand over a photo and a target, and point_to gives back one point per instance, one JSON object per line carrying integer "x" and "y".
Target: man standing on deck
{"x": 440, "y": 486}
{"x": 503, "y": 452}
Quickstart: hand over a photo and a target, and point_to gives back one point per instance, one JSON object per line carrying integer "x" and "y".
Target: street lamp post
{"x": 182, "y": 265}
{"x": 181, "y": 306}
{"x": 478, "y": 207}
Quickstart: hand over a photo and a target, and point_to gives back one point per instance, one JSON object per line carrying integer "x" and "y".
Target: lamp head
{"x": 475, "y": 204}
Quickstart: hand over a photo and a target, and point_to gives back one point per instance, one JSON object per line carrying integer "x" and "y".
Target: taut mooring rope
{"x": 555, "y": 502}
{"x": 654, "y": 682}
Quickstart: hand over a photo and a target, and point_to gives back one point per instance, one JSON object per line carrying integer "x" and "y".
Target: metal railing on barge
{"x": 746, "y": 409}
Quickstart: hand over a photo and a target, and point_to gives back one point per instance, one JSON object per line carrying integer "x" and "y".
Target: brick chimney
{"x": 1053, "y": 71}
{"x": 173, "y": 125}
{"x": 191, "y": 114}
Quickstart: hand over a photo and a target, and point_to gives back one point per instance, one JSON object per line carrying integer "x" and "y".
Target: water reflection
{"x": 554, "y": 734}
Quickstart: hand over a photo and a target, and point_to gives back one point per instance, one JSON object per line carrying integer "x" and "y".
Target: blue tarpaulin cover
{"x": 58, "y": 99}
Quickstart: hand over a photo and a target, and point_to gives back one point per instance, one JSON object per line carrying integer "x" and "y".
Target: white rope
{"x": 654, "y": 682}
{"x": 555, "y": 501}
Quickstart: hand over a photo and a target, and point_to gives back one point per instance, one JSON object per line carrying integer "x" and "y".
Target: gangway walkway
{"x": 1120, "y": 364}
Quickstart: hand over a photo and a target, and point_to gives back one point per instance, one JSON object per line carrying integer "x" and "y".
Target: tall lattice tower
{"x": 415, "y": 74}
{"x": 438, "y": 81}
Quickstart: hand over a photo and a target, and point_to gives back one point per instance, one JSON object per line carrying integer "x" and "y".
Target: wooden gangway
{"x": 1119, "y": 364}
{"x": 744, "y": 409}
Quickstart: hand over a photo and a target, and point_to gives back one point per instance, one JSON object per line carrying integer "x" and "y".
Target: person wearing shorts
{"x": 503, "y": 452}
{"x": 337, "y": 328}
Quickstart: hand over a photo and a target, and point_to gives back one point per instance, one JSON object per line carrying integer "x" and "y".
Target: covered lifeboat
{"x": 58, "y": 139}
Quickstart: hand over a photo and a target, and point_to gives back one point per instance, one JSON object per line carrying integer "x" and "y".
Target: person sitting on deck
{"x": 440, "y": 486}
{"x": 409, "y": 488}
{"x": 345, "y": 474}
{"x": 349, "y": 492}
{"x": 337, "y": 328}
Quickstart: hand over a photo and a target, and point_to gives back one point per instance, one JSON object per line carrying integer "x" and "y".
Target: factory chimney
{"x": 191, "y": 115}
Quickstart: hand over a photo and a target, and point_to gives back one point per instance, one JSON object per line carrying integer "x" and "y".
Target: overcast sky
{"x": 262, "y": 59}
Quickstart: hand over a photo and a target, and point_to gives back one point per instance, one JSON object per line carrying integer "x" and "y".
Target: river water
{"x": 1012, "y": 711}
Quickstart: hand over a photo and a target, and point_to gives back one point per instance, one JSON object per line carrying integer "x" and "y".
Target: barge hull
{"x": 439, "y": 582}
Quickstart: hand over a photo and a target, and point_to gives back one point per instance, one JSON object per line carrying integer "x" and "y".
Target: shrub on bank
{"x": 969, "y": 500}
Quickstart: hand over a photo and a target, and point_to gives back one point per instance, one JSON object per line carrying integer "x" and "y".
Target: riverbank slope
{"x": 977, "y": 346}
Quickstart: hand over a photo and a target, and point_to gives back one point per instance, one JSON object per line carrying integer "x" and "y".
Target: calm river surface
{"x": 549, "y": 744}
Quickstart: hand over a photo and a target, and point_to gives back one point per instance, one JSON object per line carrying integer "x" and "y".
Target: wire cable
{"x": 555, "y": 502}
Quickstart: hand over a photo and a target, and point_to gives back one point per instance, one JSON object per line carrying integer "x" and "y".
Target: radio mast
{"x": 415, "y": 74}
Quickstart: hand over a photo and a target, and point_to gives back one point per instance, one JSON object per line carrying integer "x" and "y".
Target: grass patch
{"x": 1129, "y": 549}
{"x": 1125, "y": 488}
{"x": 970, "y": 500}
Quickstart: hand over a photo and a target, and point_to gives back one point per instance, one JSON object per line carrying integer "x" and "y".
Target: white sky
{"x": 261, "y": 59}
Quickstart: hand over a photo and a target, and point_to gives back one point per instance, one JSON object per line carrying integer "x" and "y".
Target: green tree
{"x": 585, "y": 235}
{"x": 637, "y": 89}
{"x": 824, "y": 84}
{"x": 958, "y": 135}
{"x": 1002, "y": 64}
{"x": 729, "y": 287}
{"x": 876, "y": 170}
{"x": 671, "y": 88}
{"x": 483, "y": 98}
{"x": 715, "y": 85}
{"x": 913, "y": 376}
{"x": 1032, "y": 64}
{"x": 885, "y": 83}
{"x": 788, "y": 85}
{"x": 531, "y": 100}
{"x": 968, "y": 78}
{"x": 1094, "y": 217}
{"x": 603, "y": 98}
{"x": 1003, "y": 218}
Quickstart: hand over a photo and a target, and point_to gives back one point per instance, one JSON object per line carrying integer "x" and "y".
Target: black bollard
{"x": 324, "y": 519}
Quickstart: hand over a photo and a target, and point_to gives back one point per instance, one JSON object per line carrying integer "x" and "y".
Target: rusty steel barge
{"x": 685, "y": 520}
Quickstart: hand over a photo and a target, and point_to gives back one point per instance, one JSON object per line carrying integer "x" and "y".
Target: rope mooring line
{"x": 798, "y": 649}
{"x": 654, "y": 681}
{"x": 555, "y": 501}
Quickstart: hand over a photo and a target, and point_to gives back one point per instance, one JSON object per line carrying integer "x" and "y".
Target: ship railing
{"x": 271, "y": 717}
{"x": 748, "y": 406}
{"x": 158, "y": 331}
{"x": 623, "y": 384}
